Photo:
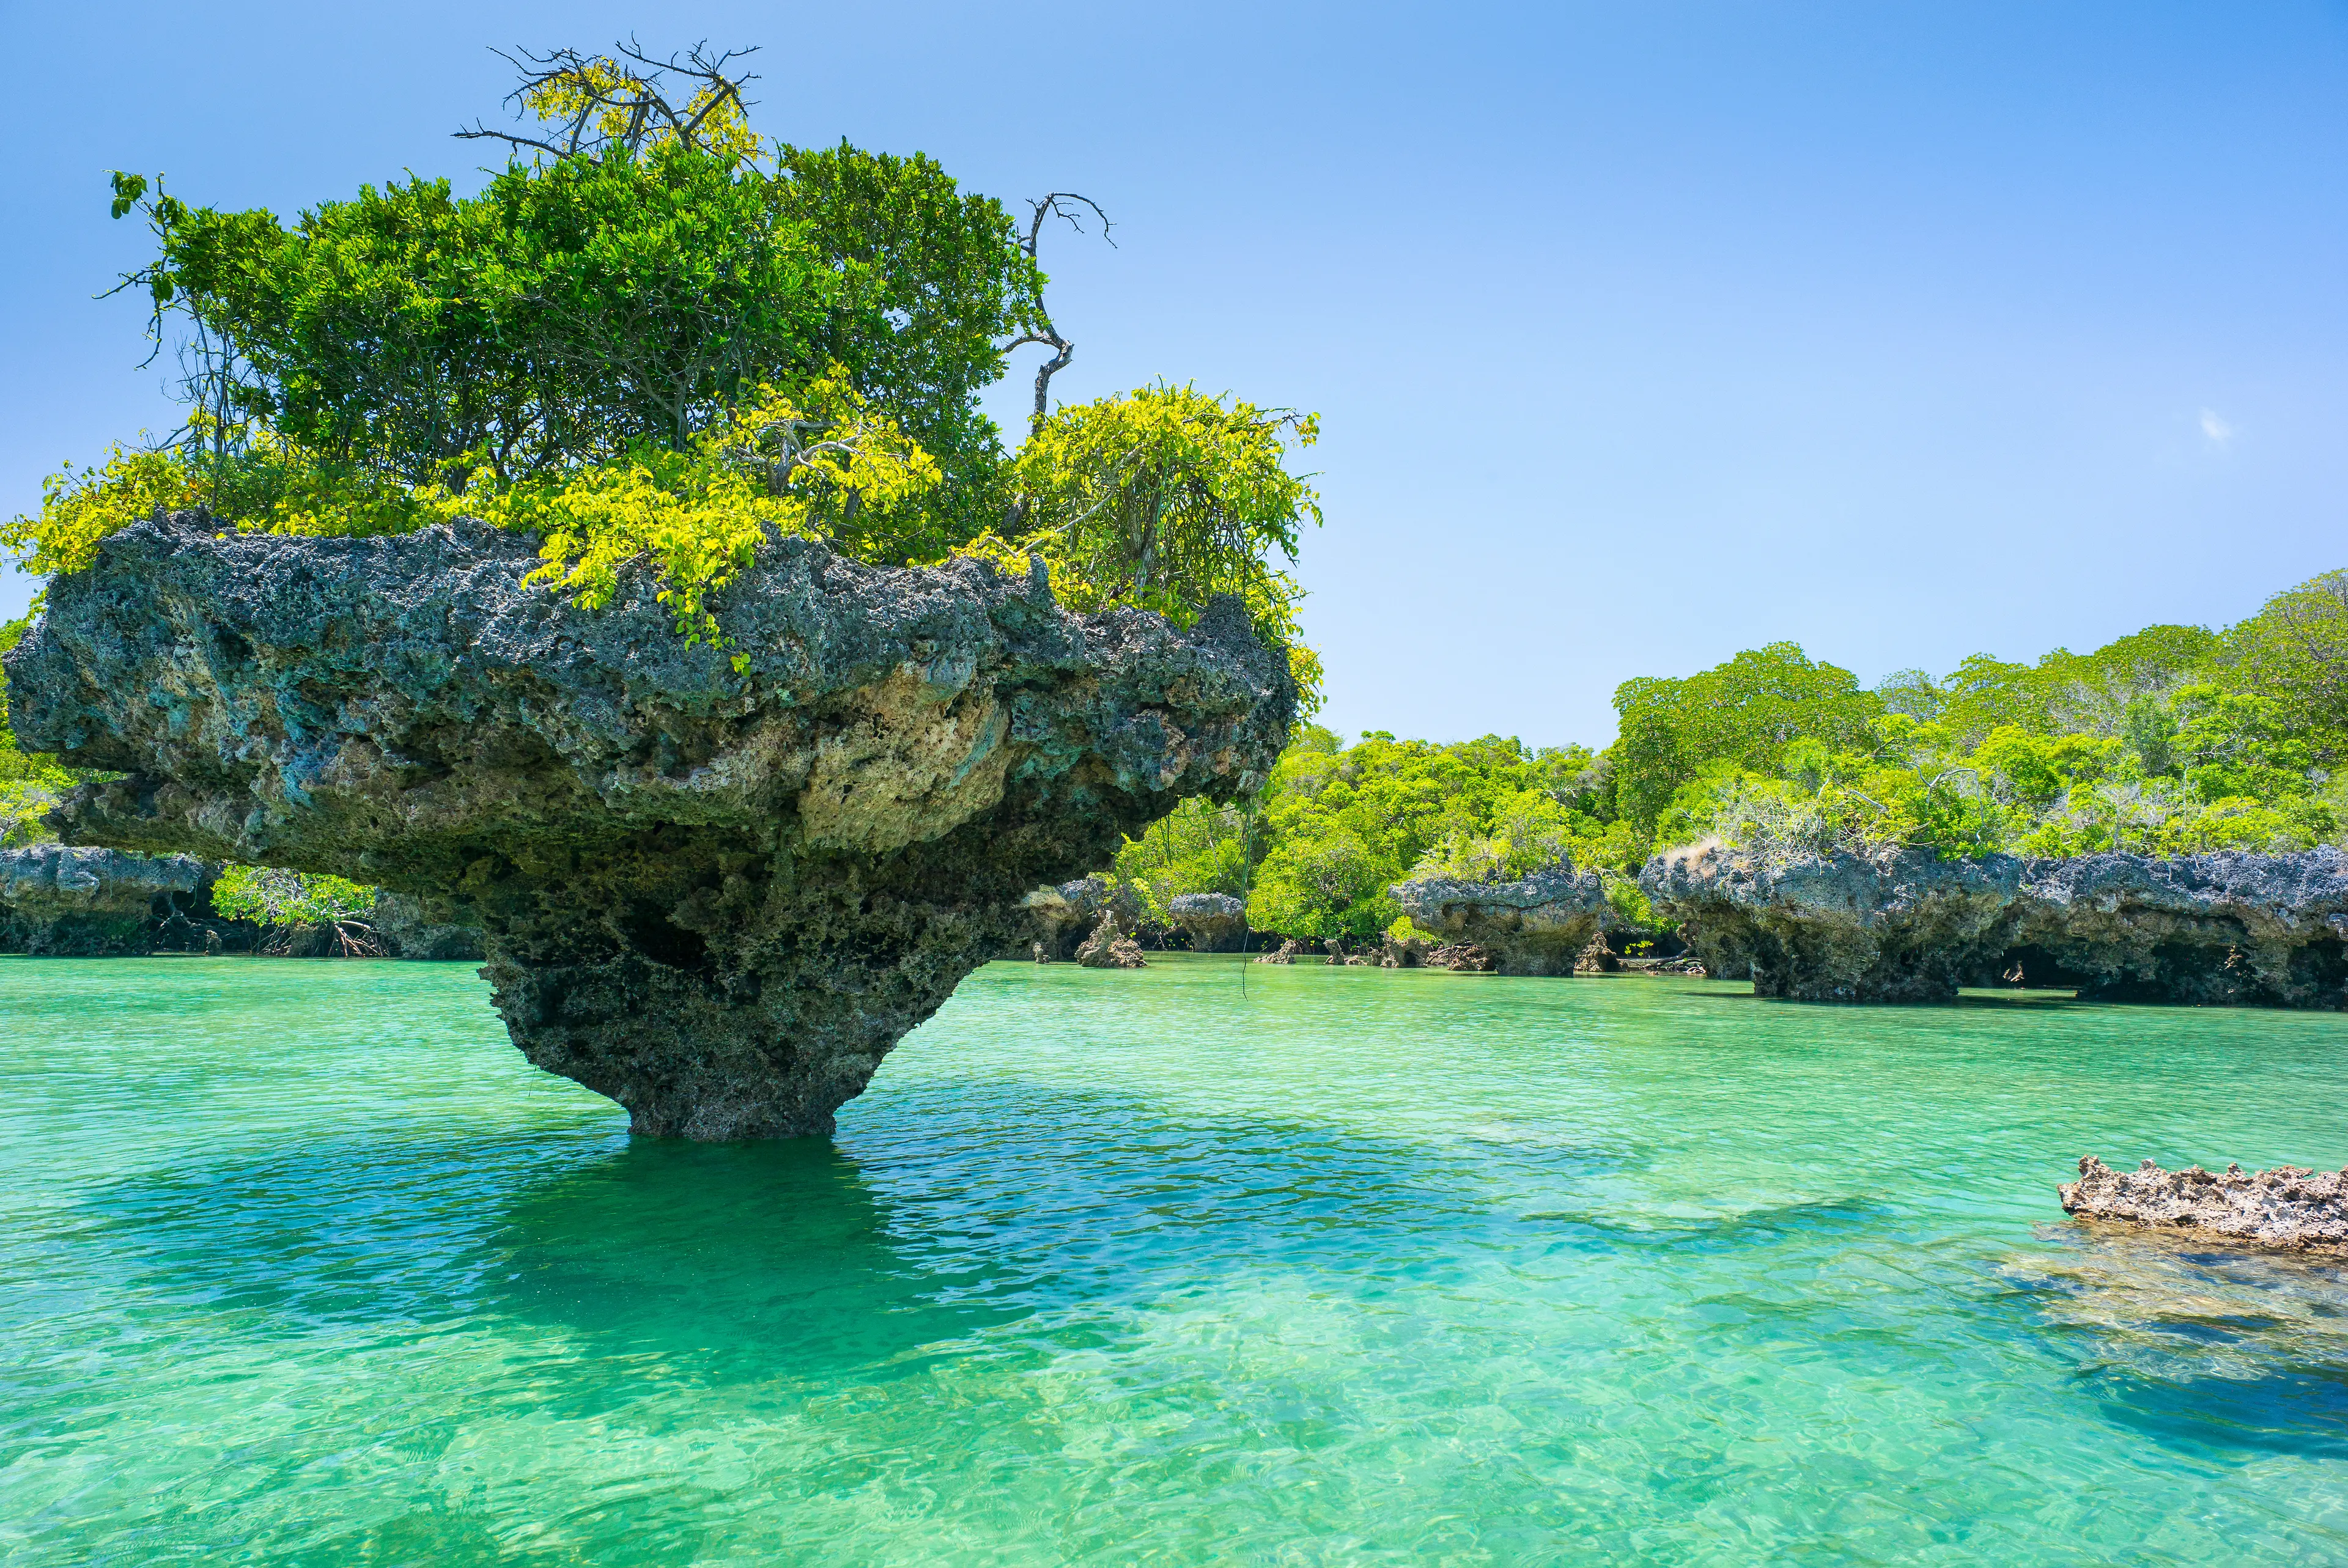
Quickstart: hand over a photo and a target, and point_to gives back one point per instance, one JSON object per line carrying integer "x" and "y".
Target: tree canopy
{"x": 654, "y": 336}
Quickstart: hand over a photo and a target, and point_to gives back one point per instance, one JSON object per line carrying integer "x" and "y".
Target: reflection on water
{"x": 304, "y": 1265}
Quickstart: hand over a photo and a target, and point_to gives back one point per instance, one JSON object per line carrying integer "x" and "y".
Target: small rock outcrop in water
{"x": 717, "y": 897}
{"x": 1110, "y": 948}
{"x": 2284, "y": 1207}
{"x": 1059, "y": 919}
{"x": 1215, "y": 922}
{"x": 1538, "y": 926}
{"x": 62, "y": 902}
{"x": 1904, "y": 926}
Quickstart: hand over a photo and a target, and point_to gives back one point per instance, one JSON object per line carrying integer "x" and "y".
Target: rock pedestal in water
{"x": 1904, "y": 926}
{"x": 1215, "y": 922}
{"x": 2286, "y": 1207}
{"x": 1538, "y": 926}
{"x": 717, "y": 895}
{"x": 58, "y": 901}
{"x": 1899, "y": 927}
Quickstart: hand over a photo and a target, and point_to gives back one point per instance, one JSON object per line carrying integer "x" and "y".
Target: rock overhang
{"x": 854, "y": 808}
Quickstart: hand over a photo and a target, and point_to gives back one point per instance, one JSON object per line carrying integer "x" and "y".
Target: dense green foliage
{"x": 30, "y": 784}
{"x": 2173, "y": 740}
{"x": 273, "y": 898}
{"x": 296, "y": 909}
{"x": 669, "y": 347}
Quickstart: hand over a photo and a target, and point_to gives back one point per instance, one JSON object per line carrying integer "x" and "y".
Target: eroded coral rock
{"x": 1902, "y": 925}
{"x": 1538, "y": 926}
{"x": 718, "y": 894}
{"x": 1060, "y": 918}
{"x": 1215, "y": 922}
{"x": 2289, "y": 1207}
{"x": 2222, "y": 928}
{"x": 1110, "y": 948}
{"x": 405, "y": 931}
{"x": 60, "y": 901}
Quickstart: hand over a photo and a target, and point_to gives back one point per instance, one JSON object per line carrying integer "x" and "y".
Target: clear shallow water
{"x": 300, "y": 1263}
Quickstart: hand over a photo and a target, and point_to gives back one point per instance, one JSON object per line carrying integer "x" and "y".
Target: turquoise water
{"x": 301, "y": 1263}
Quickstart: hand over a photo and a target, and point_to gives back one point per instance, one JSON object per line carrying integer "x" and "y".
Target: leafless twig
{"x": 621, "y": 99}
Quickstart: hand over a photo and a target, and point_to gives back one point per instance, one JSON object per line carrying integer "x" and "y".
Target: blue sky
{"x": 1640, "y": 334}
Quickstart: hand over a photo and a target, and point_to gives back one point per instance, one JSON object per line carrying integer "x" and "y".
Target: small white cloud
{"x": 2215, "y": 428}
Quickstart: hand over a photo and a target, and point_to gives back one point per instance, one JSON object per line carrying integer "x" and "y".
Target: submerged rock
{"x": 1215, "y": 922}
{"x": 2287, "y": 1207}
{"x": 59, "y": 901}
{"x": 1903, "y": 925}
{"x": 1538, "y": 926}
{"x": 716, "y": 892}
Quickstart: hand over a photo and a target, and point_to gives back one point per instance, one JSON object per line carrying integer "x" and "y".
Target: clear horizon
{"x": 1638, "y": 339}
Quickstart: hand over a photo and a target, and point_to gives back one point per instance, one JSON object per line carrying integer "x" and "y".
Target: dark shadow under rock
{"x": 718, "y": 894}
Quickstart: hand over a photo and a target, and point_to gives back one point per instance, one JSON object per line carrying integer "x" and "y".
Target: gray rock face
{"x": 2286, "y": 1207}
{"x": 2227, "y": 928}
{"x": 1059, "y": 919}
{"x": 1903, "y": 925}
{"x": 1110, "y": 948}
{"x": 1216, "y": 922}
{"x": 405, "y": 931}
{"x": 58, "y": 901}
{"x": 717, "y": 897}
{"x": 1538, "y": 926}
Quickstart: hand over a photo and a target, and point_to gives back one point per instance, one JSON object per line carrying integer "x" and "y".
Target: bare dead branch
{"x": 634, "y": 85}
{"x": 1065, "y": 205}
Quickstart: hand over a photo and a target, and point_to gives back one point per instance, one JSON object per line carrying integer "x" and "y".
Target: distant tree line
{"x": 2174, "y": 740}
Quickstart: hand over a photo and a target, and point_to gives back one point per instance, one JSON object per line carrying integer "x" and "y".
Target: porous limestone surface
{"x": 2289, "y": 1207}
{"x": 715, "y": 882}
{"x": 406, "y": 931}
{"x": 1537, "y": 926}
{"x": 1060, "y": 918}
{"x": 1110, "y": 948}
{"x": 1899, "y": 927}
{"x": 62, "y": 901}
{"x": 1215, "y": 922}
{"x": 1902, "y": 925}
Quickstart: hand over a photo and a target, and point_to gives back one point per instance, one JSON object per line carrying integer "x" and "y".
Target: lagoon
{"x": 300, "y": 1262}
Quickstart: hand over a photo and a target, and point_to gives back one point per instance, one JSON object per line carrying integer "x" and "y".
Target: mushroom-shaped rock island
{"x": 1539, "y": 925}
{"x": 715, "y": 882}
